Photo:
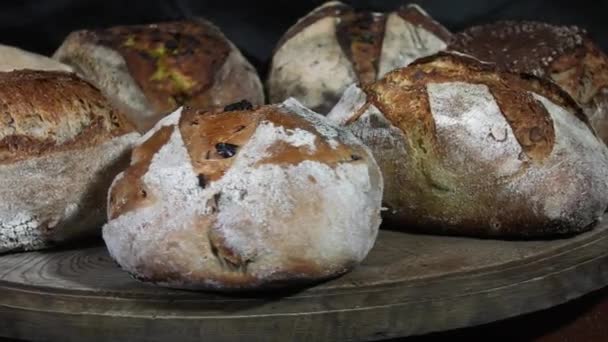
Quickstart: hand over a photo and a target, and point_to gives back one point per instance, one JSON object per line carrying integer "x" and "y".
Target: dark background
{"x": 256, "y": 25}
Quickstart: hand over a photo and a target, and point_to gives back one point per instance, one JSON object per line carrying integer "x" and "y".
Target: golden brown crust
{"x": 476, "y": 180}
{"x": 173, "y": 63}
{"x": 583, "y": 73}
{"x": 529, "y": 120}
{"x": 50, "y": 111}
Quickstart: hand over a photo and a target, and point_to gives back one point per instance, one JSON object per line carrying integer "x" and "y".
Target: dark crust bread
{"x": 173, "y": 63}
{"x": 49, "y": 111}
{"x": 548, "y": 51}
{"x": 360, "y": 35}
{"x": 414, "y": 15}
{"x": 501, "y": 43}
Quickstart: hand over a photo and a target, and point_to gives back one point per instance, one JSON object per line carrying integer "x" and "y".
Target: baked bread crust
{"x": 13, "y": 58}
{"x": 150, "y": 70}
{"x": 564, "y": 54}
{"x": 61, "y": 144}
{"x": 250, "y": 198}
{"x": 467, "y": 149}
{"x": 335, "y": 46}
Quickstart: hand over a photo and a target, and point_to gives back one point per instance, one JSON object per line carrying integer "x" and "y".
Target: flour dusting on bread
{"x": 261, "y": 221}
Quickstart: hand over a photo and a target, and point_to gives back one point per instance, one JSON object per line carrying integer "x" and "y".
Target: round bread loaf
{"x": 248, "y": 198}
{"x": 150, "y": 70}
{"x": 466, "y": 149}
{"x": 61, "y": 145}
{"x": 563, "y": 53}
{"x": 335, "y": 46}
{"x": 12, "y": 58}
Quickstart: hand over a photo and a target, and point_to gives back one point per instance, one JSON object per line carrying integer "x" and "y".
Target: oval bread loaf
{"x": 335, "y": 46}
{"x": 466, "y": 149}
{"x": 248, "y": 198}
{"x": 150, "y": 70}
{"x": 61, "y": 144}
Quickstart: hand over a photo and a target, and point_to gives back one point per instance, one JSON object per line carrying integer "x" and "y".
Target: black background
{"x": 256, "y": 25}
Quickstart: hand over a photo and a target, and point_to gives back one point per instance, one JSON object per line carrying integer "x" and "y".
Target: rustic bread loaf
{"x": 151, "y": 70}
{"x": 244, "y": 199}
{"x": 12, "y": 58}
{"x": 564, "y": 54}
{"x": 61, "y": 145}
{"x": 466, "y": 149}
{"x": 335, "y": 46}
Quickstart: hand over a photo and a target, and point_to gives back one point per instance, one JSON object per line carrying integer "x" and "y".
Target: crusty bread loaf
{"x": 244, "y": 199}
{"x": 61, "y": 145}
{"x": 466, "y": 149}
{"x": 563, "y": 53}
{"x": 150, "y": 70}
{"x": 12, "y": 58}
{"x": 335, "y": 46}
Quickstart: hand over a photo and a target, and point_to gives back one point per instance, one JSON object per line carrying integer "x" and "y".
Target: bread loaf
{"x": 248, "y": 198}
{"x": 150, "y": 70}
{"x": 12, "y": 58}
{"x": 335, "y": 46}
{"x": 467, "y": 149}
{"x": 61, "y": 145}
{"x": 564, "y": 54}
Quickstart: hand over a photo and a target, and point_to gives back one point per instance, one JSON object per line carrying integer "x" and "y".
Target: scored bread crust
{"x": 51, "y": 111}
{"x": 150, "y": 70}
{"x": 60, "y": 146}
{"x": 565, "y": 54}
{"x": 467, "y": 149}
{"x": 244, "y": 199}
{"x": 335, "y": 46}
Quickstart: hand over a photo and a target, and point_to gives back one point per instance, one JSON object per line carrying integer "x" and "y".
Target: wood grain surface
{"x": 409, "y": 285}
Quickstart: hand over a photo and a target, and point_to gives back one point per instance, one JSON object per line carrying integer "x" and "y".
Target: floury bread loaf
{"x": 61, "y": 144}
{"x": 150, "y": 70}
{"x": 335, "y": 46}
{"x": 247, "y": 198}
{"x": 466, "y": 149}
{"x": 12, "y": 58}
{"x": 565, "y": 54}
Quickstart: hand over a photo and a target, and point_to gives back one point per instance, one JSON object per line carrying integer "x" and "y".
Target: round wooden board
{"x": 409, "y": 284}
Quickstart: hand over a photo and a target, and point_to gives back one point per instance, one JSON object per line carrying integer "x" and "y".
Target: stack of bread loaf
{"x": 157, "y": 138}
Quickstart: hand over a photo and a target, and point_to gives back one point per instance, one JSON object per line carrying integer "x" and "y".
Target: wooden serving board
{"x": 409, "y": 284}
